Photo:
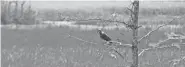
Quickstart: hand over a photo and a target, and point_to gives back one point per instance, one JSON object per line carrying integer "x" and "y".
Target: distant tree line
{"x": 162, "y": 11}
{"x": 17, "y": 12}
{"x": 106, "y": 12}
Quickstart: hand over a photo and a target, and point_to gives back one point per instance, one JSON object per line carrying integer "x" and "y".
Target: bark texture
{"x": 135, "y": 34}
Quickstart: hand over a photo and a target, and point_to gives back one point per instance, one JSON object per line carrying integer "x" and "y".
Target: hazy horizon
{"x": 98, "y": 4}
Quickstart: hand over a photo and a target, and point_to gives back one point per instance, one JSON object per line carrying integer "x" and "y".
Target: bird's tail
{"x": 110, "y": 43}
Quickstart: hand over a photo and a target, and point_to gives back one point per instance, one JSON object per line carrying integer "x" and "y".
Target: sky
{"x": 76, "y": 4}
{"x": 95, "y": 4}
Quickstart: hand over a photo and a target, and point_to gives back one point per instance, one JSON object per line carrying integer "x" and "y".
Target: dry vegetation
{"x": 50, "y": 46}
{"x": 37, "y": 47}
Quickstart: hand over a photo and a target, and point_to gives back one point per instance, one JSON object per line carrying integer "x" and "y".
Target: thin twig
{"x": 159, "y": 46}
{"x": 96, "y": 44}
{"x": 118, "y": 53}
{"x": 81, "y": 39}
{"x": 160, "y": 42}
{"x": 130, "y": 10}
{"x": 85, "y": 41}
{"x": 144, "y": 50}
{"x": 177, "y": 61}
{"x": 149, "y": 33}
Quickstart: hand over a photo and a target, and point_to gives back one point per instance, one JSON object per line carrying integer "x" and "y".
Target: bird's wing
{"x": 105, "y": 37}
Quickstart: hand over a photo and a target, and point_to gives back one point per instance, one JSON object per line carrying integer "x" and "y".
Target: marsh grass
{"x": 46, "y": 46}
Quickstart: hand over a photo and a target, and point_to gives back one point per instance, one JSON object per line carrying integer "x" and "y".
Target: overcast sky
{"x": 105, "y": 3}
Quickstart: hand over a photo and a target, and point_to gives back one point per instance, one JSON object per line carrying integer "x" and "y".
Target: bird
{"x": 104, "y": 36}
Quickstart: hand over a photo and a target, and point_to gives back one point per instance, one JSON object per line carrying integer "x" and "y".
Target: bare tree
{"x": 132, "y": 25}
{"x": 135, "y": 14}
{"x": 15, "y": 9}
{"x": 5, "y": 11}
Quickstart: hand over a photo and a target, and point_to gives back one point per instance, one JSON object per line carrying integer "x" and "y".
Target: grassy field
{"x": 51, "y": 47}
{"x": 31, "y": 43}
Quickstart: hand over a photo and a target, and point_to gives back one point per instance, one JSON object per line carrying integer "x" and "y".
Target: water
{"x": 86, "y": 27}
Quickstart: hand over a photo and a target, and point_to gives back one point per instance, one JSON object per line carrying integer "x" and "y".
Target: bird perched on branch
{"x": 104, "y": 36}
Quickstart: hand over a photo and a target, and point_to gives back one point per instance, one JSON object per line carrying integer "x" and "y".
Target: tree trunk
{"x": 22, "y": 8}
{"x": 16, "y": 9}
{"x": 135, "y": 34}
{"x": 8, "y": 13}
{"x": 8, "y": 9}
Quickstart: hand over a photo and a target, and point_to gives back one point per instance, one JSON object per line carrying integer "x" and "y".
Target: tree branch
{"x": 130, "y": 10}
{"x": 144, "y": 50}
{"x": 118, "y": 53}
{"x": 176, "y": 61}
{"x": 81, "y": 39}
{"x": 149, "y": 33}
{"x": 158, "y": 47}
{"x": 120, "y": 44}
